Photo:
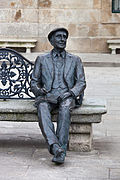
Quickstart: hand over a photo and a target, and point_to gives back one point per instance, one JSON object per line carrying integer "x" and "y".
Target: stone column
{"x": 28, "y": 50}
{"x": 80, "y": 137}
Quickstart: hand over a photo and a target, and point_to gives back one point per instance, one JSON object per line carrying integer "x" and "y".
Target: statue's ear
{"x": 52, "y": 41}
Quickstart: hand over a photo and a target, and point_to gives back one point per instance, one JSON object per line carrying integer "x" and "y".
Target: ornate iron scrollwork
{"x": 15, "y": 75}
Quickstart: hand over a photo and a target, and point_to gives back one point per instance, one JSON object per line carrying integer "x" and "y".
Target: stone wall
{"x": 90, "y": 22}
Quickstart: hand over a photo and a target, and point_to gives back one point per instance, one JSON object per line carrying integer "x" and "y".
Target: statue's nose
{"x": 62, "y": 38}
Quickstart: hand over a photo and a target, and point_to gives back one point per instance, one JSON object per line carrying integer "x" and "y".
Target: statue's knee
{"x": 65, "y": 106}
{"x": 43, "y": 105}
{"x": 66, "y": 103}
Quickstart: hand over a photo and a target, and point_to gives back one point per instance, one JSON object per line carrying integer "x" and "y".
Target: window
{"x": 115, "y": 6}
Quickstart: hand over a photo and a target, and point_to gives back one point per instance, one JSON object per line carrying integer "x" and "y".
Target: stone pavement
{"x": 24, "y": 156}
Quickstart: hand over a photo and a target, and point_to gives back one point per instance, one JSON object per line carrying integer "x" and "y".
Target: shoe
{"x": 59, "y": 159}
{"x": 57, "y": 150}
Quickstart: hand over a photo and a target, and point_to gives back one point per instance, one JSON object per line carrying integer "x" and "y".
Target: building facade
{"x": 90, "y": 22}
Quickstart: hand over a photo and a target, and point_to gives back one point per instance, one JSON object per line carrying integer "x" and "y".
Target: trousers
{"x": 61, "y": 135}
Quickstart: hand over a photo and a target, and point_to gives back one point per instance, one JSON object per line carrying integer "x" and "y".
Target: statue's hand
{"x": 51, "y": 100}
{"x": 64, "y": 96}
{"x": 42, "y": 91}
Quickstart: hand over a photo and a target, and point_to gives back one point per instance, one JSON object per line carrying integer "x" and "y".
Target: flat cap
{"x": 55, "y": 30}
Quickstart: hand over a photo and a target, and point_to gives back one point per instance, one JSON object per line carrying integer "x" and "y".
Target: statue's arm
{"x": 36, "y": 78}
{"x": 80, "y": 83}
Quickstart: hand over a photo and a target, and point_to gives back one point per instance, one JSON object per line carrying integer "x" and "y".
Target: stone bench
{"x": 82, "y": 118}
{"x": 16, "y": 101}
{"x": 113, "y": 45}
{"x": 19, "y": 43}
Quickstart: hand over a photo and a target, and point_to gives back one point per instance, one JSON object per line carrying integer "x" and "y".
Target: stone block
{"x": 65, "y": 4}
{"x": 97, "y": 4}
{"x": 99, "y": 45}
{"x": 80, "y": 128}
{"x": 18, "y": 30}
{"x": 18, "y": 4}
{"x": 83, "y": 118}
{"x": 106, "y": 4}
{"x": 80, "y": 142}
{"x": 77, "y": 30}
{"x": 117, "y": 28}
{"x": 68, "y": 15}
{"x": 5, "y": 15}
{"x": 18, "y": 117}
{"x": 79, "y": 45}
{"x": 107, "y": 30}
{"x": 28, "y": 3}
{"x": 93, "y": 30}
{"x": 24, "y": 15}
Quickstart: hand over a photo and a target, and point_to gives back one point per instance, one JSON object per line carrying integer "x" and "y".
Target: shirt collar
{"x": 62, "y": 54}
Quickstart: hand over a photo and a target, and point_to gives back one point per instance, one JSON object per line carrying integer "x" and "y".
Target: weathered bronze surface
{"x": 58, "y": 81}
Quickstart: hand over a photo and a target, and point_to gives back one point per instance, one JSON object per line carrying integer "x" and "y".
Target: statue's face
{"x": 59, "y": 39}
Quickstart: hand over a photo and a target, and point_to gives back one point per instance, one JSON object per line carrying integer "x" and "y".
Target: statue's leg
{"x": 63, "y": 123}
{"x": 45, "y": 123}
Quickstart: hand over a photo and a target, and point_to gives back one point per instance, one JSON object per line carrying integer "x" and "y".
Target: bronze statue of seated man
{"x": 58, "y": 81}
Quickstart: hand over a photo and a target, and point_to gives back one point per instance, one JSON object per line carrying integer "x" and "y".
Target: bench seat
{"x": 82, "y": 118}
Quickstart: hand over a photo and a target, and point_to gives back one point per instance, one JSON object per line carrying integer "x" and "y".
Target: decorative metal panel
{"x": 116, "y": 6}
{"x": 15, "y": 75}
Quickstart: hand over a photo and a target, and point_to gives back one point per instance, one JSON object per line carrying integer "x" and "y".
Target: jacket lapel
{"x": 49, "y": 64}
{"x": 68, "y": 64}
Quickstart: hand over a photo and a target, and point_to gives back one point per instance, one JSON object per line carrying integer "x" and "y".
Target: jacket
{"x": 43, "y": 75}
